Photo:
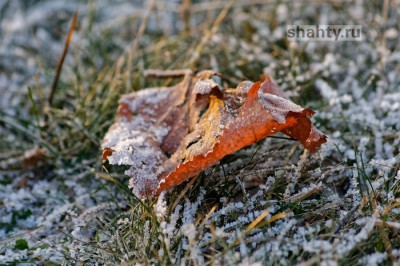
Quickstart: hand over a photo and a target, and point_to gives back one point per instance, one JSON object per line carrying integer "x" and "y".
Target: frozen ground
{"x": 58, "y": 205}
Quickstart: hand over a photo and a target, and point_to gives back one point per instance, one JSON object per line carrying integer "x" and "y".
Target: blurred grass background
{"x": 338, "y": 206}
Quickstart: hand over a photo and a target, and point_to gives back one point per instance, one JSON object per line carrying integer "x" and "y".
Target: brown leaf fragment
{"x": 170, "y": 134}
{"x": 106, "y": 152}
{"x": 33, "y": 157}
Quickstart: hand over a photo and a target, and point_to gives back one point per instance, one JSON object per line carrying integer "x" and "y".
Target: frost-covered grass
{"x": 271, "y": 203}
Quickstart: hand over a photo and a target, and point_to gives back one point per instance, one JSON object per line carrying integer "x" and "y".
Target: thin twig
{"x": 346, "y": 218}
{"x": 303, "y": 196}
{"x": 62, "y": 57}
{"x": 183, "y": 192}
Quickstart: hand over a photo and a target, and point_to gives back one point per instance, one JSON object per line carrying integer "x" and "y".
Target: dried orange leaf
{"x": 170, "y": 134}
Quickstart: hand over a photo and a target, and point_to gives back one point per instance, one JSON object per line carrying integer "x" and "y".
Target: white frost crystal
{"x": 277, "y": 106}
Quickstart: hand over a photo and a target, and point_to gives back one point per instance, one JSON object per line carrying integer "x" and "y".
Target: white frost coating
{"x": 131, "y": 151}
{"x": 136, "y": 142}
{"x": 129, "y": 145}
{"x": 331, "y": 95}
{"x": 161, "y": 208}
{"x": 124, "y": 129}
{"x": 204, "y": 86}
{"x": 368, "y": 109}
{"x": 326, "y": 91}
{"x": 278, "y": 106}
{"x": 245, "y": 85}
{"x": 151, "y": 96}
{"x": 144, "y": 171}
{"x": 374, "y": 259}
{"x": 14, "y": 255}
{"x": 189, "y": 230}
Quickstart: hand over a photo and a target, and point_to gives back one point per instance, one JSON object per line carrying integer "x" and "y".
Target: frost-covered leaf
{"x": 170, "y": 134}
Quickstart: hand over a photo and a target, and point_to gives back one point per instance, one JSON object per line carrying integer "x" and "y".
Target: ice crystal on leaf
{"x": 170, "y": 134}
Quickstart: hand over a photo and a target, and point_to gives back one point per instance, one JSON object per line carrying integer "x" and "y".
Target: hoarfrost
{"x": 359, "y": 106}
{"x": 204, "y": 86}
{"x": 374, "y": 259}
{"x": 160, "y": 208}
{"x": 277, "y": 106}
{"x": 149, "y": 97}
